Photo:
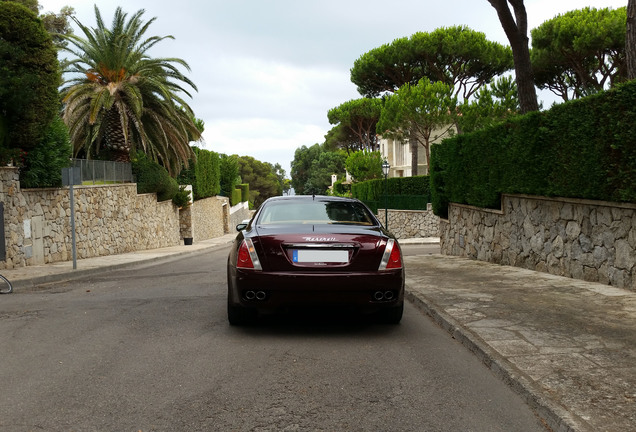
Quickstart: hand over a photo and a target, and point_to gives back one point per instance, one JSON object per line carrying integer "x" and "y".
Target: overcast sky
{"x": 267, "y": 71}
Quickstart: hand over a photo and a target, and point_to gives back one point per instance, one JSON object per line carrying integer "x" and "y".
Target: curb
{"x": 419, "y": 240}
{"x": 554, "y": 415}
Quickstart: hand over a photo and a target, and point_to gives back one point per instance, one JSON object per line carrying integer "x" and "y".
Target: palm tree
{"x": 120, "y": 99}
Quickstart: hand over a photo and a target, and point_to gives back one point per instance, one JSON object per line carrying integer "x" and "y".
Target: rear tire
{"x": 392, "y": 315}
{"x": 239, "y": 316}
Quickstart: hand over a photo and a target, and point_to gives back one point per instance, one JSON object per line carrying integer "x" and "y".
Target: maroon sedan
{"x": 314, "y": 251}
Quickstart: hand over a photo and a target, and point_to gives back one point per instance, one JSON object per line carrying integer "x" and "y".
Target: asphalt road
{"x": 150, "y": 349}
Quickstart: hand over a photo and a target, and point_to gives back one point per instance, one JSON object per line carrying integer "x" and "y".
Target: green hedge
{"x": 245, "y": 191}
{"x": 369, "y": 190}
{"x": 342, "y": 189}
{"x": 203, "y": 174}
{"x": 580, "y": 149}
{"x": 152, "y": 177}
{"x": 236, "y": 197}
{"x": 229, "y": 174}
{"x": 399, "y": 202}
{"x": 403, "y": 193}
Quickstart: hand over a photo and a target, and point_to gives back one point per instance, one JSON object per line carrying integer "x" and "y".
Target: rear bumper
{"x": 362, "y": 291}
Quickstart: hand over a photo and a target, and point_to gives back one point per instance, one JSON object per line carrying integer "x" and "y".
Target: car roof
{"x": 311, "y": 198}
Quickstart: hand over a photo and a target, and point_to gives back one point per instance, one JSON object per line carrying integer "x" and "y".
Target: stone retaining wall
{"x": 411, "y": 223}
{"x": 582, "y": 239}
{"x": 212, "y": 217}
{"x": 238, "y": 214}
{"x": 109, "y": 219}
{"x": 208, "y": 218}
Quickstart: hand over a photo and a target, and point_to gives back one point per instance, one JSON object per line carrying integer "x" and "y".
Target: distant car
{"x": 314, "y": 251}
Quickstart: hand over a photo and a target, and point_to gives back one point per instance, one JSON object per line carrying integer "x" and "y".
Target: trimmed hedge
{"x": 581, "y": 149}
{"x": 245, "y": 191}
{"x": 399, "y": 202}
{"x": 152, "y": 177}
{"x": 229, "y": 174}
{"x": 29, "y": 78}
{"x": 403, "y": 193}
{"x": 203, "y": 174}
{"x": 236, "y": 196}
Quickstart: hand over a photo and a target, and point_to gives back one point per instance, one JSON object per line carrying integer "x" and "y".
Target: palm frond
{"x": 117, "y": 96}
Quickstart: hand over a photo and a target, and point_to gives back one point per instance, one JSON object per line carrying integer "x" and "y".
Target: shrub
{"x": 228, "y": 174}
{"x": 373, "y": 190}
{"x": 364, "y": 165}
{"x": 203, "y": 174}
{"x": 207, "y": 174}
{"x": 43, "y": 164}
{"x": 402, "y": 193}
{"x": 340, "y": 188}
{"x": 152, "y": 177}
{"x": 29, "y": 77}
{"x": 581, "y": 149}
{"x": 236, "y": 197}
{"x": 245, "y": 191}
{"x": 182, "y": 198}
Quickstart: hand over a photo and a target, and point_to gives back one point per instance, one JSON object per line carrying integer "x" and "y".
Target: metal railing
{"x": 103, "y": 172}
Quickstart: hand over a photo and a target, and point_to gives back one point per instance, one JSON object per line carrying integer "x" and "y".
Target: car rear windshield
{"x": 315, "y": 212}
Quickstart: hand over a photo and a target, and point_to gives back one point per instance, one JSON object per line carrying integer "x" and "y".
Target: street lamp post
{"x": 385, "y": 170}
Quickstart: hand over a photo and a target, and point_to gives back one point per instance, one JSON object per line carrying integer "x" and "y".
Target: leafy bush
{"x": 368, "y": 191}
{"x": 245, "y": 191}
{"x": 580, "y": 149}
{"x": 402, "y": 193}
{"x": 182, "y": 198}
{"x": 418, "y": 185}
{"x": 29, "y": 77}
{"x": 228, "y": 174}
{"x": 152, "y": 177}
{"x": 340, "y": 188}
{"x": 207, "y": 174}
{"x": 43, "y": 165}
{"x": 236, "y": 197}
{"x": 374, "y": 189}
{"x": 203, "y": 174}
{"x": 364, "y": 165}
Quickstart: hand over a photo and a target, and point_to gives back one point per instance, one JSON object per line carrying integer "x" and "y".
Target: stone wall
{"x": 212, "y": 217}
{"x": 238, "y": 214}
{"x": 411, "y": 223}
{"x": 582, "y": 239}
{"x": 208, "y": 218}
{"x": 109, "y": 219}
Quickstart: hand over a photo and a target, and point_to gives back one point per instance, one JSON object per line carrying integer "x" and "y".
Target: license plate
{"x": 324, "y": 256}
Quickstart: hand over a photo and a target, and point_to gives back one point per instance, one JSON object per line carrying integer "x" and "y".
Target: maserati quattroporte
{"x": 318, "y": 252}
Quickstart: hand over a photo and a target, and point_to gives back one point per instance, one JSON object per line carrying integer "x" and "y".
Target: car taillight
{"x": 392, "y": 258}
{"x": 247, "y": 257}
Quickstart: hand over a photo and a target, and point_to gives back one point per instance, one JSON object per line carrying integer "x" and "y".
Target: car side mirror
{"x": 241, "y": 226}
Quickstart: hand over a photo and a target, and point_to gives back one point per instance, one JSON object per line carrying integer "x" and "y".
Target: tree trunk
{"x": 427, "y": 152}
{"x": 630, "y": 40}
{"x": 517, "y": 33}
{"x": 114, "y": 137}
{"x": 414, "y": 150}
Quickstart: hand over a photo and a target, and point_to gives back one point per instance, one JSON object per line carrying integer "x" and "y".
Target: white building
{"x": 398, "y": 154}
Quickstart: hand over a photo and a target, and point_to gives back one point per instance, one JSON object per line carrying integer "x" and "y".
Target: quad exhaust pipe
{"x": 383, "y": 295}
{"x": 255, "y": 295}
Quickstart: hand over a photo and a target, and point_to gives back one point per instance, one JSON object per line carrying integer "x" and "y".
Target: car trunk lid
{"x": 309, "y": 247}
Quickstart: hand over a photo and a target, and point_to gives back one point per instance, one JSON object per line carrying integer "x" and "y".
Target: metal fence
{"x": 103, "y": 172}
